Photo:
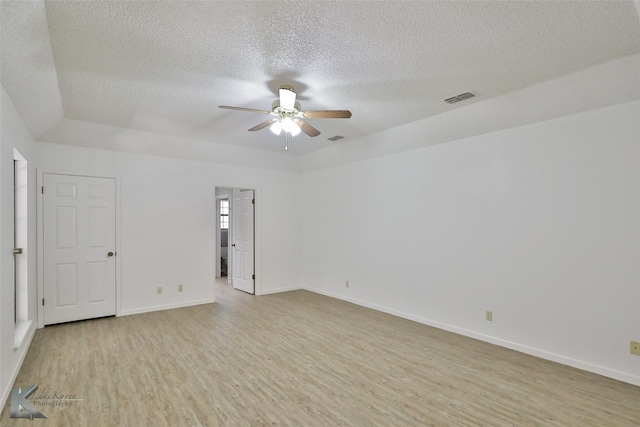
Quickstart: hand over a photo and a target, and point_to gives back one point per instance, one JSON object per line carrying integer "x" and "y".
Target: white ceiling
{"x": 166, "y": 66}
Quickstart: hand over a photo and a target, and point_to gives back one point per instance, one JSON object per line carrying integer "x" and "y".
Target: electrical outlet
{"x": 635, "y": 348}
{"x": 489, "y": 316}
{"x": 346, "y": 284}
{"x": 180, "y": 287}
{"x": 159, "y": 290}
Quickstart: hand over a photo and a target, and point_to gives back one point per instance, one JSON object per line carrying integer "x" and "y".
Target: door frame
{"x": 257, "y": 232}
{"x": 22, "y": 318}
{"x": 40, "y": 235}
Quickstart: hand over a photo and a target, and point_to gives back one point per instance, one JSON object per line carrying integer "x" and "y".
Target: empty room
{"x": 320, "y": 213}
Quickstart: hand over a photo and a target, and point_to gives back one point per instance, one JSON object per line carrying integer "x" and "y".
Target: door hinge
{"x": 42, "y": 189}
{"x": 253, "y": 276}
{"x": 253, "y": 201}
{"x": 42, "y": 301}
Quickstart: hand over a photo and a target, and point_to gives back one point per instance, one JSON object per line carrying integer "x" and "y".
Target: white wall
{"x": 13, "y": 134}
{"x": 167, "y": 231}
{"x": 539, "y": 223}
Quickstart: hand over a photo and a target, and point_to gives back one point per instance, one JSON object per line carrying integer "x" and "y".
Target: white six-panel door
{"x": 79, "y": 248}
{"x": 243, "y": 263}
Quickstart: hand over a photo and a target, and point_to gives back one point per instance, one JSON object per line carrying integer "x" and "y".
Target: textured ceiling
{"x": 166, "y": 66}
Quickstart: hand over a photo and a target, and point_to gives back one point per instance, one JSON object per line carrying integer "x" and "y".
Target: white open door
{"x": 79, "y": 223}
{"x": 243, "y": 264}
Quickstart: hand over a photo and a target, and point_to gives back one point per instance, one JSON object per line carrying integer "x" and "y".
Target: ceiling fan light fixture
{"x": 288, "y": 116}
{"x": 287, "y": 124}
{"x": 276, "y": 127}
{"x": 295, "y": 129}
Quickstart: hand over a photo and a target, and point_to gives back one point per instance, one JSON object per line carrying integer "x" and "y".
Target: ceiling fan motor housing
{"x": 276, "y": 109}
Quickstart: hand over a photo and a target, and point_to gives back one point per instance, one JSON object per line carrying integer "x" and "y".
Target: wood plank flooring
{"x": 301, "y": 359}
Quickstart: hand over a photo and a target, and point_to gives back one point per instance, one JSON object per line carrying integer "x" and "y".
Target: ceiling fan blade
{"x": 263, "y": 125}
{"x": 327, "y": 114}
{"x": 251, "y": 110}
{"x": 287, "y": 97}
{"x": 307, "y": 128}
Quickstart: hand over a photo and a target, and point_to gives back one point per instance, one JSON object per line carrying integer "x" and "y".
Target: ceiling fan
{"x": 289, "y": 116}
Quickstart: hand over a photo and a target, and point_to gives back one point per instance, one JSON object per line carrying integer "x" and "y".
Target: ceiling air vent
{"x": 459, "y": 98}
{"x": 335, "y": 138}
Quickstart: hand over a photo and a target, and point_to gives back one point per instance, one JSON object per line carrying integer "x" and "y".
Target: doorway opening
{"x": 223, "y": 209}
{"x": 235, "y": 237}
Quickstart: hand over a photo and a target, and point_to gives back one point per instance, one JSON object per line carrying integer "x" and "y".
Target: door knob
{"x": 17, "y": 251}
{"x": 110, "y": 254}
{"x": 234, "y": 245}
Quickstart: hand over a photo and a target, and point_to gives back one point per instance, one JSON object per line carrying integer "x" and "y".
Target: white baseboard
{"x": 24, "y": 349}
{"x": 166, "y": 306}
{"x": 278, "y": 290}
{"x": 575, "y": 363}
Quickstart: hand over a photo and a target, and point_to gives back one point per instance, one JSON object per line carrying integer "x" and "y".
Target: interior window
{"x": 224, "y": 214}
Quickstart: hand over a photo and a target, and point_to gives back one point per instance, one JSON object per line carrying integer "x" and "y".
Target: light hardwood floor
{"x": 302, "y": 359}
